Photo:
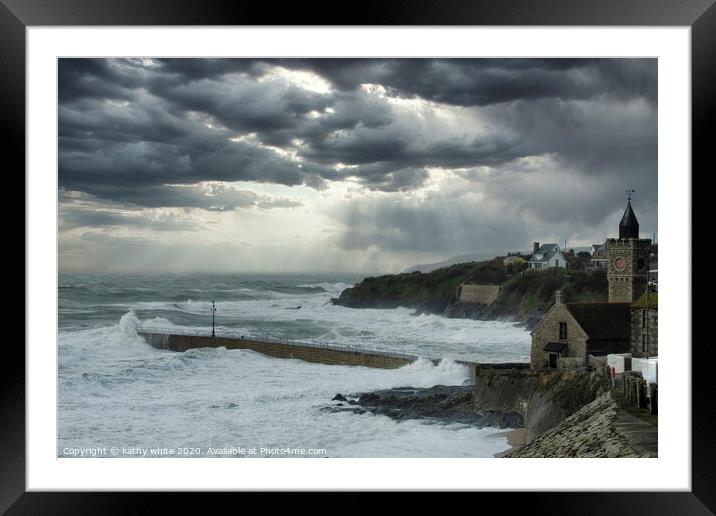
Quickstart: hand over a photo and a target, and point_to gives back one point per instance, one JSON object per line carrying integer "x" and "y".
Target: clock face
{"x": 640, "y": 264}
{"x": 619, "y": 264}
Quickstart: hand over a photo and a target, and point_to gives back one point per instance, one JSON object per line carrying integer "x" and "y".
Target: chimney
{"x": 558, "y": 297}
{"x": 535, "y": 247}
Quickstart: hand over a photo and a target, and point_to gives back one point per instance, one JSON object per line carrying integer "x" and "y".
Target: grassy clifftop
{"x": 533, "y": 291}
{"x": 525, "y": 294}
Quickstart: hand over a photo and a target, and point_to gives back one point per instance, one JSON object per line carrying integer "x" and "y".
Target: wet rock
{"x": 368, "y": 397}
{"x": 442, "y": 404}
{"x": 339, "y": 397}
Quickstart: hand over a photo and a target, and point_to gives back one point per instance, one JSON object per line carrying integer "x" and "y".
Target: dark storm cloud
{"x": 143, "y": 164}
{"x": 245, "y": 105}
{"x": 464, "y": 82}
{"x": 388, "y": 150}
{"x": 151, "y": 133}
{"x": 376, "y": 177}
{"x": 479, "y": 82}
{"x": 90, "y": 78}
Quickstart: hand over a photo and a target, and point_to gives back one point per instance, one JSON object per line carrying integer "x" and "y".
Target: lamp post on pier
{"x": 213, "y": 311}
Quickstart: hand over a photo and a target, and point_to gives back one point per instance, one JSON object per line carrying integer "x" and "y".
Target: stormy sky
{"x": 346, "y": 165}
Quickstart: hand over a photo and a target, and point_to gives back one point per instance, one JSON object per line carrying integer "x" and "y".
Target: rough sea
{"x": 119, "y": 397}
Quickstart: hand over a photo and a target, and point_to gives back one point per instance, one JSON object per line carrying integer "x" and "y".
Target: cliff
{"x": 537, "y": 400}
{"x": 524, "y": 295}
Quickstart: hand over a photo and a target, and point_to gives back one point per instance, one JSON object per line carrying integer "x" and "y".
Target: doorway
{"x": 553, "y": 360}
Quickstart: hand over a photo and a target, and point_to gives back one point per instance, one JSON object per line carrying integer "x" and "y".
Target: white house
{"x": 546, "y": 256}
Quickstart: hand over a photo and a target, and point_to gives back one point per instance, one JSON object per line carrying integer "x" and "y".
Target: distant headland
{"x": 462, "y": 290}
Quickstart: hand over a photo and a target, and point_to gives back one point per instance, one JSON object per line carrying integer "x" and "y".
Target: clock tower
{"x": 628, "y": 271}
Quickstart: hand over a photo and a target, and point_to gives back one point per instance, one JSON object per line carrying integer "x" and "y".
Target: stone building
{"x": 645, "y": 326}
{"x": 569, "y": 332}
{"x": 628, "y": 260}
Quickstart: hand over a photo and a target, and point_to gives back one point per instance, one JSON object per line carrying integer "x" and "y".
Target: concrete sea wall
{"x": 306, "y": 351}
{"x": 331, "y": 356}
{"x": 537, "y": 400}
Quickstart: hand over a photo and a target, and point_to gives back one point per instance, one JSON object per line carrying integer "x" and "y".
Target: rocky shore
{"x": 441, "y": 403}
{"x": 549, "y": 414}
{"x": 500, "y": 397}
{"x": 449, "y": 309}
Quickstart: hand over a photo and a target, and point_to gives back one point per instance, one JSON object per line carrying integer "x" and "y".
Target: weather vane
{"x": 629, "y": 192}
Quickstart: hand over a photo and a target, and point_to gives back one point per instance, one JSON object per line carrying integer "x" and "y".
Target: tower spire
{"x": 629, "y": 226}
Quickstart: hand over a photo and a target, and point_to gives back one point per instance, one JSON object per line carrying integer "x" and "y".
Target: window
{"x": 645, "y": 343}
{"x": 563, "y": 331}
{"x": 643, "y": 318}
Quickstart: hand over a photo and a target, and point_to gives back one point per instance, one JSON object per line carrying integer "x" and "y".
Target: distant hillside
{"x": 465, "y": 258}
{"x": 526, "y": 295}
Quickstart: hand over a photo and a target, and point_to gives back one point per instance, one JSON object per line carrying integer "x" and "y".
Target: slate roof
{"x": 603, "y": 321}
{"x": 600, "y": 254}
{"x": 629, "y": 226}
{"x": 545, "y": 253}
{"x": 555, "y": 347}
{"x": 545, "y": 248}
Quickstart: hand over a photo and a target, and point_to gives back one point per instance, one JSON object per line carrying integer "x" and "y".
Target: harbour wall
{"x": 309, "y": 352}
{"x": 278, "y": 349}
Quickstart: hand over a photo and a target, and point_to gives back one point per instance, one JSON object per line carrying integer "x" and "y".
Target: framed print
{"x": 387, "y": 256}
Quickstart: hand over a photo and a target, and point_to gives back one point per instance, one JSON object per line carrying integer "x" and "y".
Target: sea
{"x": 120, "y": 397}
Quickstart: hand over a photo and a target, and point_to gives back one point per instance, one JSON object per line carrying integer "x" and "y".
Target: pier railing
{"x": 236, "y": 334}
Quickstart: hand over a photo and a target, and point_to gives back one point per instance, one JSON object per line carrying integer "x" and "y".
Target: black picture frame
{"x": 17, "y": 15}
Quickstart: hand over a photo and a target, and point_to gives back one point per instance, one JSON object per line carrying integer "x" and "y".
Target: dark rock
{"x": 442, "y": 404}
{"x": 369, "y": 397}
{"x": 339, "y": 397}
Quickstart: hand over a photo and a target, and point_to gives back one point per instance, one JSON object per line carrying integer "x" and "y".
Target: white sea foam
{"x": 115, "y": 389}
{"x": 118, "y": 391}
{"x": 128, "y": 323}
{"x": 333, "y": 288}
{"x": 392, "y": 330}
